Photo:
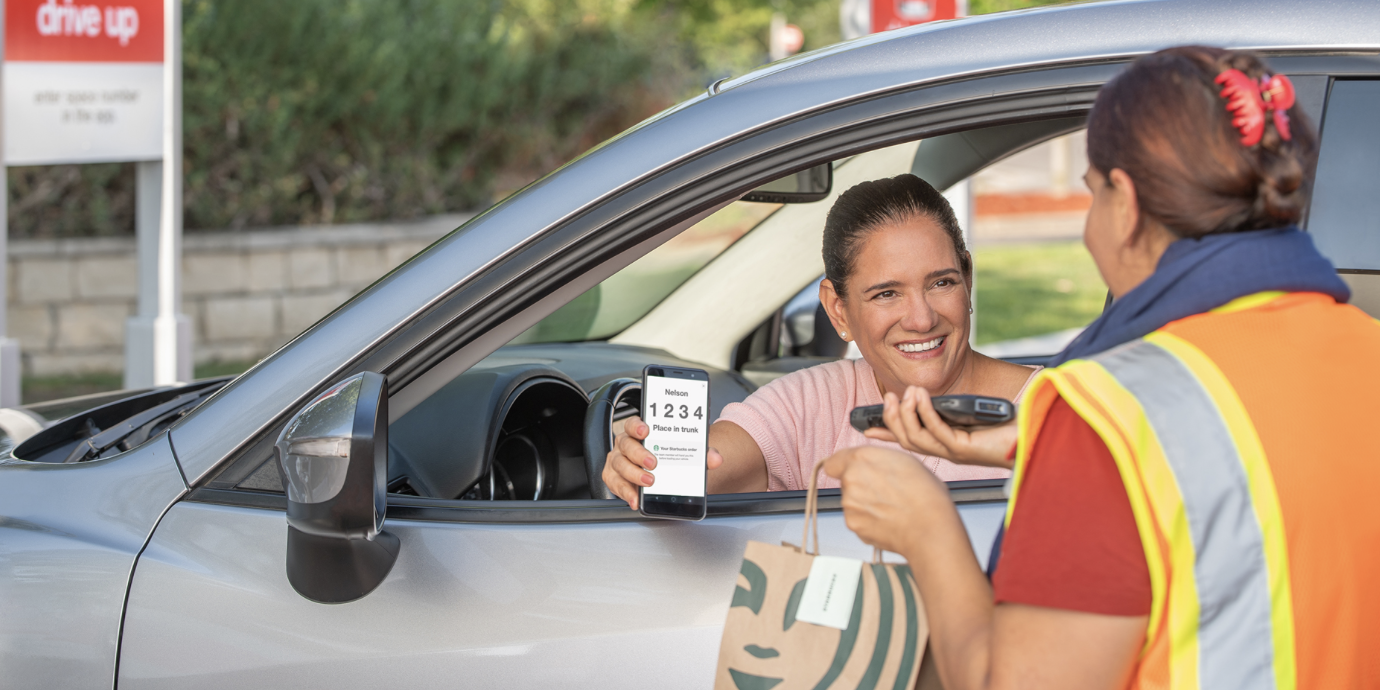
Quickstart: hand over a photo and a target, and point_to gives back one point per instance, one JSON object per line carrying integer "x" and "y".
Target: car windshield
{"x": 623, "y": 298}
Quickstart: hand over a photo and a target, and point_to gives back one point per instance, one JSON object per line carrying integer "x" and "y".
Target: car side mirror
{"x": 808, "y": 185}
{"x": 333, "y": 455}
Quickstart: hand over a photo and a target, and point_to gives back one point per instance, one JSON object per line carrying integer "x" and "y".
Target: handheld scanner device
{"x": 958, "y": 410}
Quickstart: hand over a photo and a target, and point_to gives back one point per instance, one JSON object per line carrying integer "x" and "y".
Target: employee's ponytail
{"x": 1199, "y": 168}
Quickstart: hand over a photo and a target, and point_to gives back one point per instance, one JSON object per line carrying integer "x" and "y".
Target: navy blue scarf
{"x": 1195, "y": 276}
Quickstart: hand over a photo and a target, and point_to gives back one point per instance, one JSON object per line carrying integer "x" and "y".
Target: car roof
{"x": 1078, "y": 31}
{"x": 890, "y": 61}
{"x": 904, "y": 58}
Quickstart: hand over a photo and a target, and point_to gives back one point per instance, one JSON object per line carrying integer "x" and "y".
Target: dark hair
{"x": 868, "y": 206}
{"x": 1163, "y": 122}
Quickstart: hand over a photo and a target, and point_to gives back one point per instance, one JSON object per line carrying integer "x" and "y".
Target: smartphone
{"x": 675, "y": 407}
{"x": 958, "y": 410}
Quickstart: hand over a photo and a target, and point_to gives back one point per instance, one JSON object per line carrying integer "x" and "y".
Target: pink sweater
{"x": 802, "y": 418}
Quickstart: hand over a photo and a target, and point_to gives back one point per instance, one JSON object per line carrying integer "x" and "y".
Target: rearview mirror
{"x": 333, "y": 455}
{"x": 810, "y": 184}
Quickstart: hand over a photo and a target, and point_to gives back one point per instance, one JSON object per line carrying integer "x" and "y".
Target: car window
{"x": 626, "y": 296}
{"x": 1036, "y": 285}
{"x": 1345, "y": 216}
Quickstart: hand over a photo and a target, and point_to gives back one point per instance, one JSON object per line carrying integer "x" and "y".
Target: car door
{"x": 617, "y": 603}
{"x": 499, "y": 594}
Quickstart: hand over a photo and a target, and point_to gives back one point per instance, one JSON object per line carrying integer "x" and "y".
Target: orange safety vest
{"x": 1248, "y": 439}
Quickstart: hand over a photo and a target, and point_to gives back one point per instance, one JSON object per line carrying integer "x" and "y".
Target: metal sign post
{"x": 158, "y": 338}
{"x": 96, "y": 83}
{"x": 11, "y": 369}
{"x": 172, "y": 332}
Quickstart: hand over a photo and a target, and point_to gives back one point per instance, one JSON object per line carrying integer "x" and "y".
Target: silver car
{"x": 233, "y": 534}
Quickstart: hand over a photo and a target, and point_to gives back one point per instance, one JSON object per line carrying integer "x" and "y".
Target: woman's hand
{"x": 627, "y": 466}
{"x": 890, "y": 500}
{"x": 893, "y": 502}
{"x": 912, "y": 422}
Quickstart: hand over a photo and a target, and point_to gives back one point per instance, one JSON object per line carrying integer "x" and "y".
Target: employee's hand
{"x": 912, "y": 422}
{"x": 889, "y": 500}
{"x": 627, "y": 465}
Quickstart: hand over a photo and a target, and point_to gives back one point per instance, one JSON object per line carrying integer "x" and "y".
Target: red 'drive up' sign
{"x": 83, "y": 81}
{"x": 895, "y": 14}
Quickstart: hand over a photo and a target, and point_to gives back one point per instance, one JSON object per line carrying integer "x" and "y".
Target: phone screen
{"x": 677, "y": 411}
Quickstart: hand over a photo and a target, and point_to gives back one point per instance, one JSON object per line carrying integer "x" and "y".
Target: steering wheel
{"x": 614, "y": 401}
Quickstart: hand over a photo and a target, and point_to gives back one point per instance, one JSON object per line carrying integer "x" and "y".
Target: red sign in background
{"x": 894, "y": 14}
{"x": 83, "y": 31}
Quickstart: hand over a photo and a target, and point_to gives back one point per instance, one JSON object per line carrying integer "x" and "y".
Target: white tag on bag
{"x": 830, "y": 591}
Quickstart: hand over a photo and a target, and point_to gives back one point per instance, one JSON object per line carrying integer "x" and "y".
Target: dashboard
{"x": 512, "y": 427}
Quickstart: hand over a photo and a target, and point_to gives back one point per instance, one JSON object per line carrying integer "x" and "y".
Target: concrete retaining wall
{"x": 246, "y": 292}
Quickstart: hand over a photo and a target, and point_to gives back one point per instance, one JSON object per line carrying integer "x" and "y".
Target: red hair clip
{"x": 1248, "y": 100}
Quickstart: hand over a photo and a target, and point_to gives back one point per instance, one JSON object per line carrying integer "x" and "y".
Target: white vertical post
{"x": 148, "y": 207}
{"x": 855, "y": 18}
{"x": 776, "y": 45}
{"x": 960, "y": 197}
{"x": 172, "y": 332}
{"x": 1061, "y": 165}
{"x": 11, "y": 371}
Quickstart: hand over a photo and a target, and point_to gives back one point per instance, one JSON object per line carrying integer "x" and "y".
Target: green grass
{"x": 210, "y": 369}
{"x": 1031, "y": 289}
{"x": 44, "y": 388}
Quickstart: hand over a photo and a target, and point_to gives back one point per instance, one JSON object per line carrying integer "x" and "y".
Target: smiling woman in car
{"x": 898, "y": 283}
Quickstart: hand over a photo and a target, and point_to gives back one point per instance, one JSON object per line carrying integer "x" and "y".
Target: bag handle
{"x": 812, "y": 517}
{"x": 812, "y": 511}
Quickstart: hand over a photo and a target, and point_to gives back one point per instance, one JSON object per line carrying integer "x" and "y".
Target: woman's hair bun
{"x": 1164, "y": 122}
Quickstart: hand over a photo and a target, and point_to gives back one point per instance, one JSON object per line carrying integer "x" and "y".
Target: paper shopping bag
{"x": 868, "y": 631}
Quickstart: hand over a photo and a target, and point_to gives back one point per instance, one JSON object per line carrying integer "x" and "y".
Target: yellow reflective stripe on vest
{"x": 1249, "y": 301}
{"x": 1108, "y": 412}
{"x": 1226, "y": 611}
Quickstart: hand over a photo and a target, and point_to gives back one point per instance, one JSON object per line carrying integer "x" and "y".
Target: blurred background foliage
{"x": 989, "y": 6}
{"x": 330, "y": 111}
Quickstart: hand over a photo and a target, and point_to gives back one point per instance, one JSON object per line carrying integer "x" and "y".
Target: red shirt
{"x": 1073, "y": 543}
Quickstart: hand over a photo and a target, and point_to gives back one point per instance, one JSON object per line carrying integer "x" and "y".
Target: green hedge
{"x": 320, "y": 111}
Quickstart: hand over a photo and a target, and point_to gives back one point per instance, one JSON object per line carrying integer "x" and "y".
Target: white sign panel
{"x": 83, "y": 83}
{"x": 58, "y": 112}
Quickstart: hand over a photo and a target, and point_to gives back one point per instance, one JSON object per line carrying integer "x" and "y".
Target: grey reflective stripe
{"x": 1235, "y": 643}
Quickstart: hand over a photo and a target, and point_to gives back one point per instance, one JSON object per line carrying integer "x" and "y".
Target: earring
{"x": 843, "y": 334}
{"x": 970, "y": 310}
